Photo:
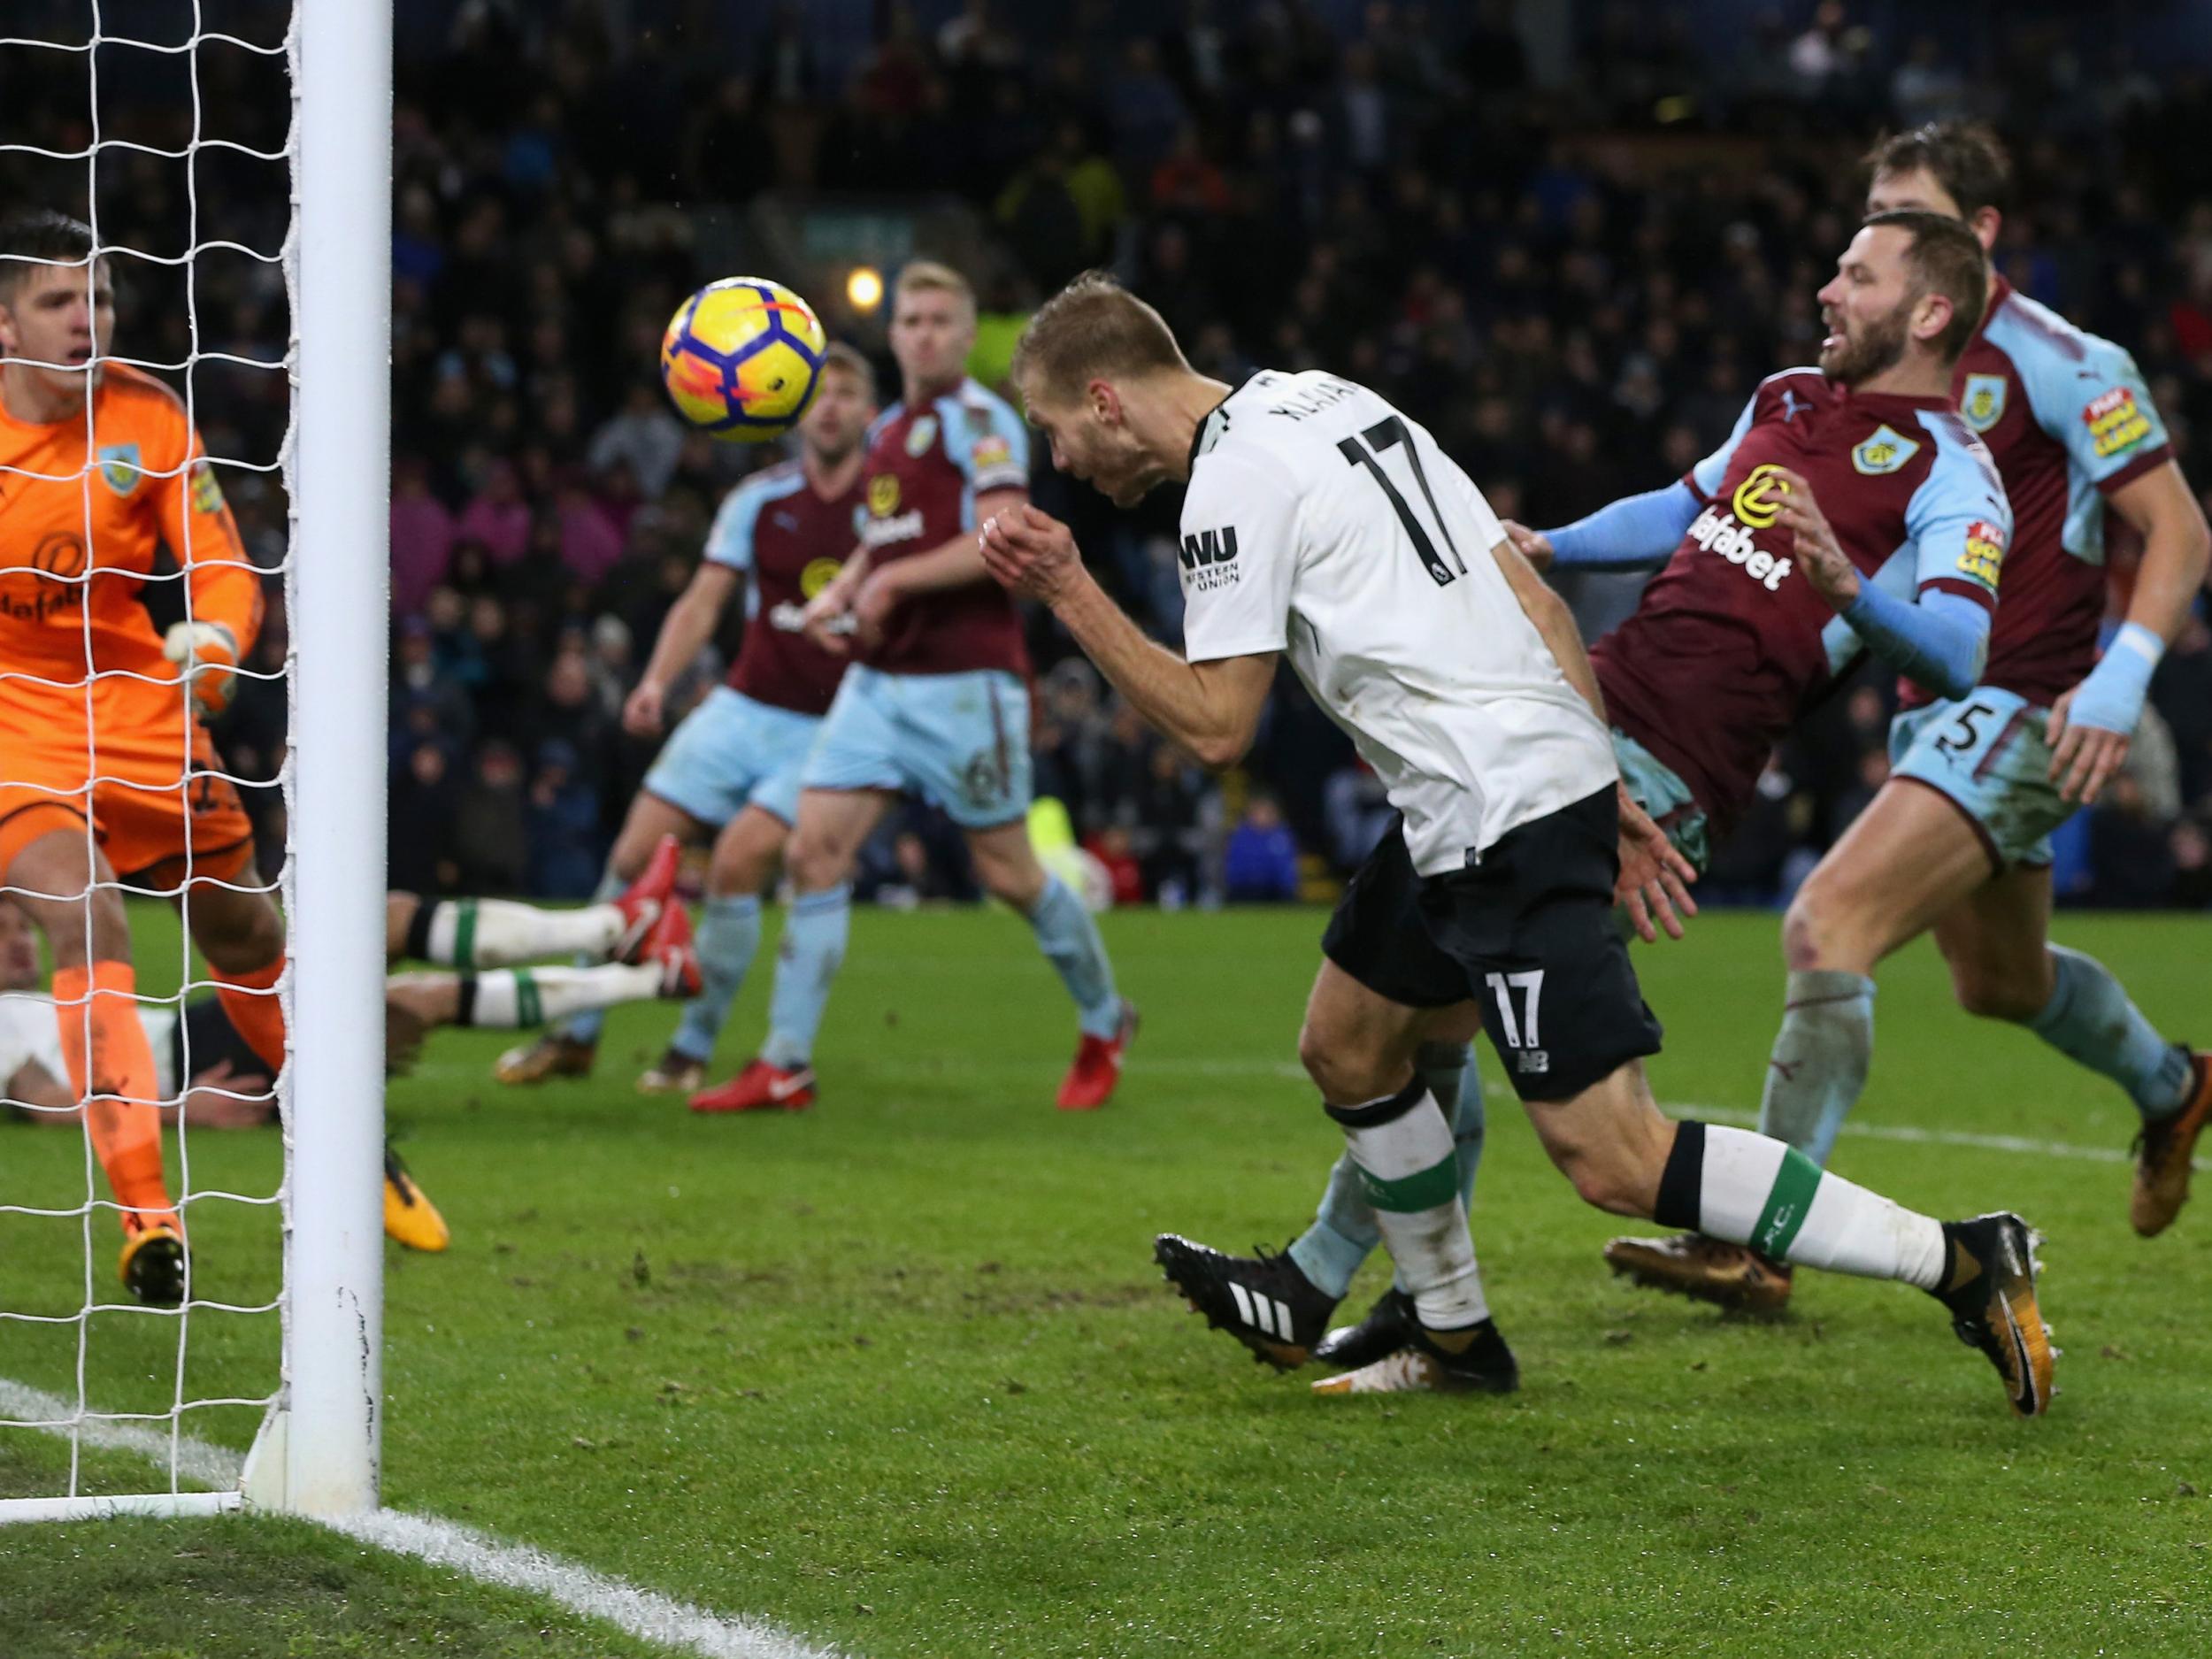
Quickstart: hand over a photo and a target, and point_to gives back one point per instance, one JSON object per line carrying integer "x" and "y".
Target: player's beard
{"x": 1872, "y": 348}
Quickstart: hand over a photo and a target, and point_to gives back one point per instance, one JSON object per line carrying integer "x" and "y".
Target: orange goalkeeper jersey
{"x": 84, "y": 509}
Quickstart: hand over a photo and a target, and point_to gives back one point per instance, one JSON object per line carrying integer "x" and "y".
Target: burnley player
{"x": 108, "y": 767}
{"x": 936, "y": 704}
{"x": 1848, "y": 511}
{"x": 1958, "y": 840}
{"x": 732, "y": 768}
{"x": 1321, "y": 525}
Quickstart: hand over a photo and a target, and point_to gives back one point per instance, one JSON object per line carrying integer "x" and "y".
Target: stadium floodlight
{"x": 318, "y": 1449}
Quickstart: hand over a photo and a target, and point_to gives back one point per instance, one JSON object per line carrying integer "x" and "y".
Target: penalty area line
{"x": 645, "y": 1614}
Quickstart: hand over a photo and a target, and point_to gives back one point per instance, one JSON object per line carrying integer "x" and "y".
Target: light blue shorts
{"x": 730, "y": 753}
{"x": 1986, "y": 752}
{"x": 960, "y": 741}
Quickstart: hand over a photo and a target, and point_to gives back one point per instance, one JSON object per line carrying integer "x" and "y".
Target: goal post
{"x": 339, "y": 595}
{"x": 318, "y": 1452}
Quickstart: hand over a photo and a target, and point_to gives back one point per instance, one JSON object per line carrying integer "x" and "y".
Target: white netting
{"x": 166, "y": 126}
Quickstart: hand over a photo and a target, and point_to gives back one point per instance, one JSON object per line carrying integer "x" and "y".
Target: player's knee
{"x": 77, "y": 939}
{"x": 1016, "y": 881}
{"x": 736, "y": 873}
{"x": 816, "y": 862}
{"x": 1339, "y": 1070}
{"x": 1808, "y": 928}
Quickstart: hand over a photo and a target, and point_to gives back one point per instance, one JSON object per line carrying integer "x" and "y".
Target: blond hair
{"x": 1093, "y": 328}
{"x": 838, "y": 355}
{"x": 923, "y": 276}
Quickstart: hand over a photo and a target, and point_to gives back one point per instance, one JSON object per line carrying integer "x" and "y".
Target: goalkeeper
{"x": 108, "y": 765}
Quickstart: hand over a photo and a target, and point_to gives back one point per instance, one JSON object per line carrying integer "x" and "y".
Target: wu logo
{"x": 1210, "y": 546}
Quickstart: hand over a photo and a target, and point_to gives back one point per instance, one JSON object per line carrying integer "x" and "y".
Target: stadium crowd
{"x": 1574, "y": 283}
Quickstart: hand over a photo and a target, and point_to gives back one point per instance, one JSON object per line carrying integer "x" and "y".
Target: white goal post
{"x": 318, "y": 1449}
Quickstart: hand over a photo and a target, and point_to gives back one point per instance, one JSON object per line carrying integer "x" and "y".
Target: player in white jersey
{"x": 1322, "y": 524}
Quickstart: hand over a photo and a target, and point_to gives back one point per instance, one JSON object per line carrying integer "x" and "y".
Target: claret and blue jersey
{"x": 926, "y": 465}
{"x": 2068, "y": 419}
{"x": 1732, "y": 643}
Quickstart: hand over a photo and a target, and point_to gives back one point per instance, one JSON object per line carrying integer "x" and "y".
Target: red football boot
{"x": 645, "y": 900}
{"x": 1090, "y": 1081}
{"x": 760, "y": 1087}
{"x": 669, "y": 945}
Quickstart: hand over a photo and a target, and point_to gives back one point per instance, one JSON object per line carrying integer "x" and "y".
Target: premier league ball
{"x": 742, "y": 358}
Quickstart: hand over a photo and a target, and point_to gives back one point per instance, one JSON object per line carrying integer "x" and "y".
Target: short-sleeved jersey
{"x": 926, "y": 465}
{"x": 2068, "y": 419}
{"x": 1323, "y": 522}
{"x": 85, "y": 509}
{"x": 789, "y": 542}
{"x": 1730, "y": 644}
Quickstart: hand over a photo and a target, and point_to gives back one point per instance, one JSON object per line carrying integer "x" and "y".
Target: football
{"x": 742, "y": 358}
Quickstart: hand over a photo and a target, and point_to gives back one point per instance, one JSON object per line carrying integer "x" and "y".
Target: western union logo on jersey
{"x": 1209, "y": 558}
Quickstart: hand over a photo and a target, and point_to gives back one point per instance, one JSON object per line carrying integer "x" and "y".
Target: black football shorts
{"x": 1527, "y": 933}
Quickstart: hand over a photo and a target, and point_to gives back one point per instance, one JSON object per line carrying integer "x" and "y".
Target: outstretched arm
{"x": 683, "y": 631}
{"x": 1211, "y": 709}
{"x": 1634, "y": 533}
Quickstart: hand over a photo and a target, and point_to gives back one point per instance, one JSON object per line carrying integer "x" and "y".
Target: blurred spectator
{"x": 497, "y": 519}
{"x": 422, "y": 535}
{"x": 1359, "y": 813}
{"x": 1260, "y": 865}
{"x": 1124, "y": 875}
{"x": 2190, "y": 845}
{"x": 418, "y": 838}
{"x": 562, "y": 827}
{"x": 491, "y": 831}
{"x": 645, "y": 437}
{"x": 1173, "y": 803}
{"x": 2132, "y": 859}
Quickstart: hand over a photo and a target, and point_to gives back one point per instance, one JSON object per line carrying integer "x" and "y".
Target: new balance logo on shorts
{"x": 1264, "y": 1313}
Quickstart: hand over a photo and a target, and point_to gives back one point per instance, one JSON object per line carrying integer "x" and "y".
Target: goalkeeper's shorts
{"x": 156, "y": 802}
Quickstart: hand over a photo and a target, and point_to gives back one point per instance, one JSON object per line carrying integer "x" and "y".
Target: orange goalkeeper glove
{"x": 206, "y": 654}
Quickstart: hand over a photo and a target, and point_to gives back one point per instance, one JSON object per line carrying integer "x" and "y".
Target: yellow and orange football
{"x": 742, "y": 357}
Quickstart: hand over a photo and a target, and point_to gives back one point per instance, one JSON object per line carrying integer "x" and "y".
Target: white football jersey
{"x": 1321, "y": 522}
{"x": 30, "y": 1032}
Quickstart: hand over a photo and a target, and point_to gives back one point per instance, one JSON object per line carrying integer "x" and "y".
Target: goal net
{"x": 194, "y": 331}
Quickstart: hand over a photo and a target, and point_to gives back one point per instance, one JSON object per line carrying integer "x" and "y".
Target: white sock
{"x": 497, "y": 933}
{"x": 1757, "y": 1191}
{"x": 515, "y": 999}
{"x": 1409, "y": 1167}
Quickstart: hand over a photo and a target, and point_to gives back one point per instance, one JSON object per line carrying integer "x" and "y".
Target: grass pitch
{"x": 898, "y": 1373}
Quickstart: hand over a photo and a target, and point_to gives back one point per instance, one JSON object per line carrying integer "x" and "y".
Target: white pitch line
{"x": 198, "y": 1461}
{"x": 1496, "y": 1088}
{"x": 646, "y": 1614}
{"x": 1932, "y": 1137}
